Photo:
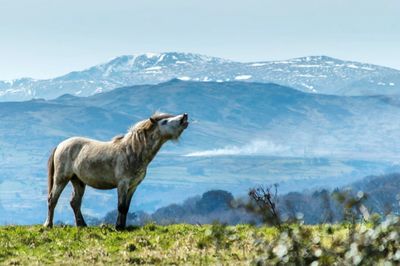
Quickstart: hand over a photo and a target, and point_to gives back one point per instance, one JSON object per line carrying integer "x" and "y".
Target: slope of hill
{"x": 316, "y": 74}
{"x": 259, "y": 133}
{"x": 315, "y": 206}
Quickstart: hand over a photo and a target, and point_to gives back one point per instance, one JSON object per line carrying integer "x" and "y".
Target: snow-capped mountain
{"x": 317, "y": 74}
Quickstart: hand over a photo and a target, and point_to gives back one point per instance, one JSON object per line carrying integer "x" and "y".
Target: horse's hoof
{"x": 48, "y": 225}
{"x": 119, "y": 227}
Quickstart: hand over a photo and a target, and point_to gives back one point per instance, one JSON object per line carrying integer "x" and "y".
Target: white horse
{"x": 120, "y": 163}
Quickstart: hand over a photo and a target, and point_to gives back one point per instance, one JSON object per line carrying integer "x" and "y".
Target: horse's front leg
{"x": 125, "y": 194}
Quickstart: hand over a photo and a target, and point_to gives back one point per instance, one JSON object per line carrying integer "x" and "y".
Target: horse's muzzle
{"x": 184, "y": 120}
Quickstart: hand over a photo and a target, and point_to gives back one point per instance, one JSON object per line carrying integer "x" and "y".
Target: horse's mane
{"x": 141, "y": 134}
{"x": 117, "y": 138}
{"x": 147, "y": 124}
{"x": 141, "y": 126}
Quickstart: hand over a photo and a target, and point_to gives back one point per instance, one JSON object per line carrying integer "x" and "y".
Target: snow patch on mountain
{"x": 98, "y": 90}
{"x": 311, "y": 88}
{"x": 153, "y": 68}
{"x": 258, "y": 64}
{"x": 352, "y": 66}
{"x": 243, "y": 77}
{"x": 160, "y": 58}
{"x": 151, "y": 55}
{"x": 367, "y": 68}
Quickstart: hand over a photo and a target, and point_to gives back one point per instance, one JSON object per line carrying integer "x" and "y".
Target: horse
{"x": 120, "y": 163}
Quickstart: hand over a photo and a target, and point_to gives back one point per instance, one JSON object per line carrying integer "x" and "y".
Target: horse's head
{"x": 170, "y": 126}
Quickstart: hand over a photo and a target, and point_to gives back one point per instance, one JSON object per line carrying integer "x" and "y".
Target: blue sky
{"x": 47, "y": 38}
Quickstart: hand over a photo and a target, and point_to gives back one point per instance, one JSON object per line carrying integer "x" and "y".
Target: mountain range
{"x": 315, "y": 74}
{"x": 241, "y": 134}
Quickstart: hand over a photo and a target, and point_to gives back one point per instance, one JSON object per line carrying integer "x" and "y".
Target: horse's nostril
{"x": 184, "y": 119}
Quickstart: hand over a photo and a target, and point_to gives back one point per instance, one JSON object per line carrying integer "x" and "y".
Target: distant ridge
{"x": 314, "y": 74}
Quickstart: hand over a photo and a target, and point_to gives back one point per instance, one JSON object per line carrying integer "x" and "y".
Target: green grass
{"x": 151, "y": 244}
{"x": 198, "y": 245}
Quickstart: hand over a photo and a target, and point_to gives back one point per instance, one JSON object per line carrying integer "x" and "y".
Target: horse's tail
{"x": 50, "y": 172}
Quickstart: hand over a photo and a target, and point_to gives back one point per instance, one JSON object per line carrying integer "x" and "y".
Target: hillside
{"x": 260, "y": 133}
{"x": 316, "y": 206}
{"x": 364, "y": 244}
{"x": 315, "y": 74}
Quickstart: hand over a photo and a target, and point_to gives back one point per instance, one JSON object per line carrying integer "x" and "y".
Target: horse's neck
{"x": 148, "y": 149}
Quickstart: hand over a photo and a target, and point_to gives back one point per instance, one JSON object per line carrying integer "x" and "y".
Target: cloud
{"x": 257, "y": 147}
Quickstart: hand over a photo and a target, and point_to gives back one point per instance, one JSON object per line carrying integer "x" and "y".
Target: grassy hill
{"x": 202, "y": 245}
{"x": 260, "y": 133}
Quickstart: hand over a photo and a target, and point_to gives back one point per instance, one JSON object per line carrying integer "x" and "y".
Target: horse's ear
{"x": 152, "y": 120}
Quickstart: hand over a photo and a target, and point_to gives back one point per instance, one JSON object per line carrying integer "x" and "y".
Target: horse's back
{"x": 71, "y": 145}
{"x": 90, "y": 160}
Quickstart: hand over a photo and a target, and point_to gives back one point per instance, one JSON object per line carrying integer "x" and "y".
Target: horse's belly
{"x": 102, "y": 186}
{"x": 95, "y": 174}
{"x": 99, "y": 182}
{"x": 97, "y": 177}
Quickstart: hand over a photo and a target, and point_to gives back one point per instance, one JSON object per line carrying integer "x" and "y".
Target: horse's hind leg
{"x": 76, "y": 200}
{"x": 58, "y": 187}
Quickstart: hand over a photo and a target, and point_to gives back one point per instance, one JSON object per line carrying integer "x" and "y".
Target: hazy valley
{"x": 241, "y": 134}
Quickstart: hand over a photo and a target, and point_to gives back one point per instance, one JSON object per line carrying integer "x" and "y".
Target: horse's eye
{"x": 164, "y": 122}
